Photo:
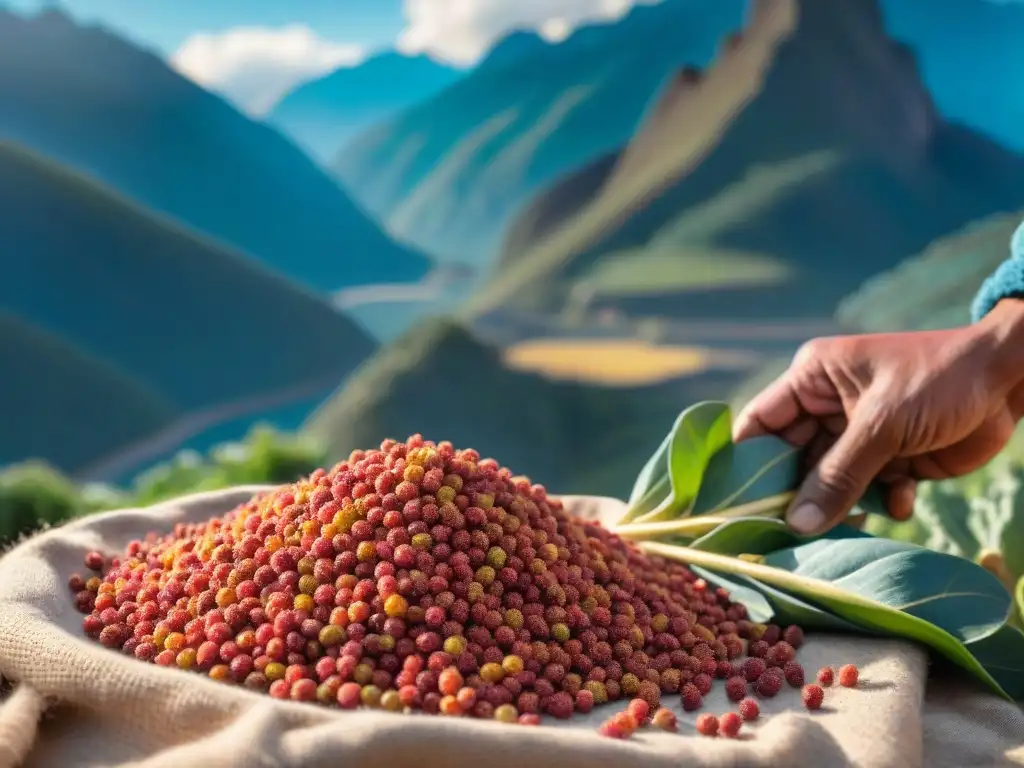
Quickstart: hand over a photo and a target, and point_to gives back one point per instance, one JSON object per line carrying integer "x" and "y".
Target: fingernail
{"x": 806, "y": 518}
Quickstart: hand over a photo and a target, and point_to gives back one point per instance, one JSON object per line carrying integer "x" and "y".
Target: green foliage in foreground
{"x": 35, "y": 496}
{"x": 716, "y": 506}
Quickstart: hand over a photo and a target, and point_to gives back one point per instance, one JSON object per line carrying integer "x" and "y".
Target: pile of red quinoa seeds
{"x": 421, "y": 577}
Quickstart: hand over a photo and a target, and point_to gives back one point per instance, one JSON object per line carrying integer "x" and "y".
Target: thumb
{"x": 843, "y": 475}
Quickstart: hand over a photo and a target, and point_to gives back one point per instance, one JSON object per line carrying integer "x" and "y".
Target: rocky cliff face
{"x": 811, "y": 138}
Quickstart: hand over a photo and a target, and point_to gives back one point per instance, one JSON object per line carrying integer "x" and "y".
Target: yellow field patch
{"x": 618, "y": 362}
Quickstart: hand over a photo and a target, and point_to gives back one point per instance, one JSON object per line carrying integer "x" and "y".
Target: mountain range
{"x": 532, "y": 111}
{"x": 323, "y": 114}
{"x": 170, "y": 323}
{"x": 806, "y": 158}
{"x": 446, "y": 174}
{"x": 96, "y": 103}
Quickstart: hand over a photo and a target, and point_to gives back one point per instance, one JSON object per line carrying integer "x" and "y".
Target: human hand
{"x": 899, "y": 407}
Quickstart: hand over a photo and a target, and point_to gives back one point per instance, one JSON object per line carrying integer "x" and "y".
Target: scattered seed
{"x": 665, "y": 719}
{"x": 813, "y": 695}
{"x": 729, "y": 724}
{"x": 749, "y": 709}
{"x": 707, "y": 724}
{"x": 849, "y": 675}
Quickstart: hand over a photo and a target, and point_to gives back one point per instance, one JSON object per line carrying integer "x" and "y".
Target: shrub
{"x": 32, "y": 496}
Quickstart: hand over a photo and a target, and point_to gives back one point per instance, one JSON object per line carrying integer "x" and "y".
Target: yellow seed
{"x": 485, "y": 575}
{"x": 396, "y": 606}
{"x": 413, "y": 473}
{"x": 274, "y": 670}
{"x": 455, "y": 645}
{"x": 225, "y": 597}
{"x": 304, "y": 602}
{"x": 512, "y": 664}
{"x": 186, "y": 658}
{"x": 332, "y": 634}
{"x": 371, "y": 696}
{"x": 492, "y": 673}
{"x": 363, "y": 674}
{"x": 308, "y": 584}
{"x": 506, "y": 713}
{"x": 496, "y": 557}
{"x": 220, "y": 672}
{"x": 391, "y": 701}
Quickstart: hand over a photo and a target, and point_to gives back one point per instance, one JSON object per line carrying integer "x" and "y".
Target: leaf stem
{"x": 698, "y": 525}
{"x": 920, "y": 629}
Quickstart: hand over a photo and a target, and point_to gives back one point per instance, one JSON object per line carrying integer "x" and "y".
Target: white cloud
{"x": 461, "y": 31}
{"x": 256, "y": 66}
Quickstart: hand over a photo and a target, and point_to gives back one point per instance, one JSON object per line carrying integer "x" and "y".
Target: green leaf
{"x": 881, "y": 586}
{"x": 669, "y": 481}
{"x": 747, "y": 535}
{"x": 1018, "y": 598}
{"x": 741, "y": 473}
{"x": 948, "y": 592}
{"x": 652, "y": 485}
{"x": 1002, "y": 654}
{"x": 762, "y": 535}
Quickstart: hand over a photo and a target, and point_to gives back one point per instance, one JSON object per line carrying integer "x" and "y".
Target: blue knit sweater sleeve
{"x": 1007, "y": 282}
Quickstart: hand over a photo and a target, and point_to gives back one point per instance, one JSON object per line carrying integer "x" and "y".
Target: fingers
{"x": 840, "y": 478}
{"x": 901, "y": 498}
{"x": 772, "y": 410}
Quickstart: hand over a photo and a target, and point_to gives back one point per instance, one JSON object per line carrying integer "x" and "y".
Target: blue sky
{"x": 166, "y": 24}
{"x": 254, "y": 51}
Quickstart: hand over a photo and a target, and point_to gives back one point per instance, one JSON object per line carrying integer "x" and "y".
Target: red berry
{"x": 691, "y": 697}
{"x": 639, "y": 709}
{"x": 707, "y": 724}
{"x": 825, "y": 676}
{"x": 794, "y": 674}
{"x": 729, "y": 724}
{"x": 849, "y": 675}
{"x": 753, "y": 668}
{"x": 813, "y": 695}
{"x": 769, "y": 684}
{"x": 94, "y": 561}
{"x": 793, "y": 635}
{"x": 665, "y": 719}
{"x": 736, "y": 688}
{"x": 749, "y": 709}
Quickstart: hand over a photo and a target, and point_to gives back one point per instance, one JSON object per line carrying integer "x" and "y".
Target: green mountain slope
{"x": 63, "y": 405}
{"x": 441, "y": 381}
{"x": 196, "y": 323}
{"x": 323, "y": 114}
{"x": 96, "y": 103}
{"x": 935, "y": 288}
{"x": 447, "y": 174}
{"x": 806, "y": 159}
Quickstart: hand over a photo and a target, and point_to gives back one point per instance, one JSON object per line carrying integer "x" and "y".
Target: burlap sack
{"x": 77, "y": 704}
